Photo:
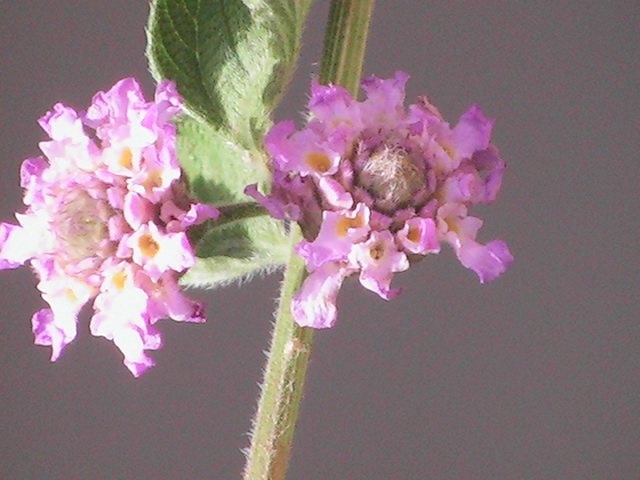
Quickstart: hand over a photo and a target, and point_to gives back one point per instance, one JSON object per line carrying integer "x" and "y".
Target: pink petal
{"x": 314, "y": 305}
{"x": 419, "y": 236}
{"x": 488, "y": 261}
{"x": 379, "y": 258}
{"x": 50, "y": 334}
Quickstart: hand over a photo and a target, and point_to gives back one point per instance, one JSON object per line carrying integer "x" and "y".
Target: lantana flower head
{"x": 106, "y": 220}
{"x": 376, "y": 187}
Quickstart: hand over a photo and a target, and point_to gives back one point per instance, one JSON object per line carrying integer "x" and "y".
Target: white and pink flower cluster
{"x": 376, "y": 187}
{"x": 106, "y": 220}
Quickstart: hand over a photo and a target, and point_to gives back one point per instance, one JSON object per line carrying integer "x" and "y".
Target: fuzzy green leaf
{"x": 231, "y": 59}
{"x": 254, "y": 247}
{"x": 217, "y": 168}
{"x": 218, "y": 171}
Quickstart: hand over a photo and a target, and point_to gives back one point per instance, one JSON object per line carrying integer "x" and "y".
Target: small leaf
{"x": 254, "y": 247}
{"x": 240, "y": 244}
{"x": 231, "y": 59}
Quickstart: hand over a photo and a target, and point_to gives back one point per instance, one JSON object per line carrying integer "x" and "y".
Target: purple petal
{"x": 30, "y": 179}
{"x": 472, "y": 133}
{"x": 49, "y": 334}
{"x": 277, "y": 143}
{"x": 121, "y": 316}
{"x": 115, "y": 104}
{"x": 379, "y": 258}
{"x": 332, "y": 108}
{"x": 168, "y": 100}
{"x": 137, "y": 210}
{"x": 198, "y": 213}
{"x": 158, "y": 252}
{"x": 314, "y": 305}
{"x": 11, "y": 255}
{"x": 489, "y": 161}
{"x": 62, "y": 123}
{"x": 273, "y": 205}
{"x": 386, "y": 94}
{"x": 167, "y": 301}
{"x": 338, "y": 233}
{"x": 334, "y": 193}
{"x": 488, "y": 261}
{"x": 419, "y": 236}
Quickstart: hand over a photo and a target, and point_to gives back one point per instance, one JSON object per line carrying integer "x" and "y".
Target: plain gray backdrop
{"x": 533, "y": 376}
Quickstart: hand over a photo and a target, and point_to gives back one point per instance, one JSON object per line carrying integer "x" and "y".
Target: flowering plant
{"x": 106, "y": 220}
{"x": 134, "y": 199}
{"x": 375, "y": 188}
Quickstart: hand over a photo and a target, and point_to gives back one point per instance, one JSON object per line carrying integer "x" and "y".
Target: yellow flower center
{"x": 345, "y": 223}
{"x": 126, "y": 158}
{"x": 148, "y": 246}
{"x": 413, "y": 235}
{"x": 376, "y": 251}
{"x": 119, "y": 280}
{"x": 319, "y": 162}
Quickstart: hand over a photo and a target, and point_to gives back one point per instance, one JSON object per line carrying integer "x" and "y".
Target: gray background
{"x": 534, "y": 376}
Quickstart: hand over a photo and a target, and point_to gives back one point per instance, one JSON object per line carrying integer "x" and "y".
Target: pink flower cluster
{"x": 106, "y": 220}
{"x": 376, "y": 187}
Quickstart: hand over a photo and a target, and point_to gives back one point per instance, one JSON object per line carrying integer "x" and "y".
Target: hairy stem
{"x": 284, "y": 376}
{"x": 345, "y": 42}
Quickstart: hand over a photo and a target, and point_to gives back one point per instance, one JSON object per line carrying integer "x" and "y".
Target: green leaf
{"x": 243, "y": 243}
{"x": 217, "y": 168}
{"x": 236, "y": 253}
{"x": 231, "y": 59}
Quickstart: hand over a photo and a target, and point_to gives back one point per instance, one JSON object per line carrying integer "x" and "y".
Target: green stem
{"x": 284, "y": 380}
{"x": 275, "y": 420}
{"x": 345, "y": 43}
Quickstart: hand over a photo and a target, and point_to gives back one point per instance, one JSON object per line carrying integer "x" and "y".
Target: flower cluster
{"x": 375, "y": 187}
{"x": 107, "y": 213}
